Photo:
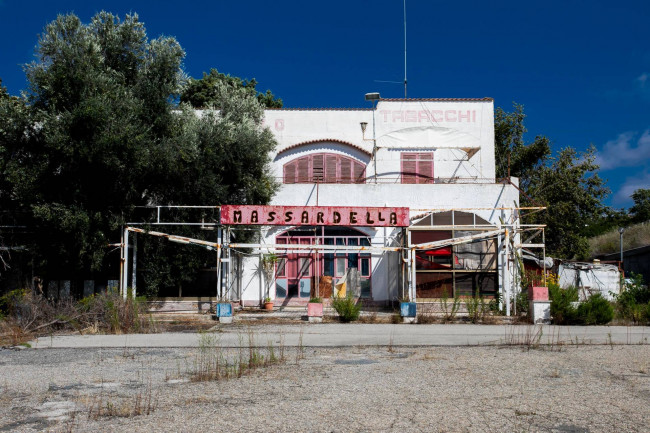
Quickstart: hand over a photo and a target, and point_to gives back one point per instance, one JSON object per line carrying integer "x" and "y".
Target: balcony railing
{"x": 391, "y": 180}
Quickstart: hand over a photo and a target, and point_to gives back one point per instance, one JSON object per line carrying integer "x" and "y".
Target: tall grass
{"x": 635, "y": 236}
{"x": 212, "y": 363}
{"x": 25, "y": 315}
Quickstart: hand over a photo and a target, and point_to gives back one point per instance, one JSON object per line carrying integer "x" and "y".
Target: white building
{"x": 432, "y": 156}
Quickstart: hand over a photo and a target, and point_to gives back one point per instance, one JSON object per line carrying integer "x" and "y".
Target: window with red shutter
{"x": 359, "y": 172}
{"x": 290, "y": 172}
{"x": 318, "y": 166}
{"x": 331, "y": 172}
{"x": 417, "y": 167}
{"x": 425, "y": 168}
{"x": 346, "y": 170}
{"x": 303, "y": 170}
{"x": 409, "y": 167}
{"x": 324, "y": 168}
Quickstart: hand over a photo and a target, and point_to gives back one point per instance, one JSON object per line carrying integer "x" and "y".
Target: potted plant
{"x": 268, "y": 268}
{"x": 315, "y": 307}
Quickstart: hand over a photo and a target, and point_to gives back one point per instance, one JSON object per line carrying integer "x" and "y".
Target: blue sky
{"x": 581, "y": 69}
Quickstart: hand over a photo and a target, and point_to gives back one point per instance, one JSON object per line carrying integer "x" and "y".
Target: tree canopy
{"x": 208, "y": 90}
{"x": 567, "y": 183}
{"x": 100, "y": 134}
{"x": 640, "y": 211}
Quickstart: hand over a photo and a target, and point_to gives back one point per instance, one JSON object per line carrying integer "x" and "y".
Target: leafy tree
{"x": 99, "y": 99}
{"x": 573, "y": 192}
{"x": 609, "y": 219}
{"x": 513, "y": 156}
{"x": 567, "y": 183}
{"x": 223, "y": 158}
{"x": 14, "y": 129}
{"x": 640, "y": 211}
{"x": 99, "y": 135}
{"x": 207, "y": 91}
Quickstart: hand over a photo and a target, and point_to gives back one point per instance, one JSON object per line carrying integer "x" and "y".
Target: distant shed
{"x": 591, "y": 278}
{"x": 635, "y": 260}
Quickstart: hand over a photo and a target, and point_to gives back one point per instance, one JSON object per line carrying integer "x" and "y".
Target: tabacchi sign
{"x": 315, "y": 216}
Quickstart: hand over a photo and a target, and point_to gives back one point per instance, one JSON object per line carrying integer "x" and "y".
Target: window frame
{"x": 420, "y": 174}
{"x": 324, "y": 167}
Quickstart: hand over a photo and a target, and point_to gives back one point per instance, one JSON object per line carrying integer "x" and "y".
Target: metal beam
{"x": 456, "y": 241}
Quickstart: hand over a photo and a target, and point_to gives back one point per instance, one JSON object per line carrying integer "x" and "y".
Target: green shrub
{"x": 562, "y": 312}
{"x": 521, "y": 302}
{"x": 633, "y": 303}
{"x": 493, "y": 305}
{"x": 347, "y": 308}
{"x": 595, "y": 311}
{"x": 449, "y": 311}
{"x": 316, "y": 300}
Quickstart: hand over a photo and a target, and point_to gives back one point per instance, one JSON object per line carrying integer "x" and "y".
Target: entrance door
{"x": 296, "y": 270}
{"x": 299, "y": 271}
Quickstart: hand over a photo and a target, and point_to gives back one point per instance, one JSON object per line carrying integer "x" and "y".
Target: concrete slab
{"x": 342, "y": 335}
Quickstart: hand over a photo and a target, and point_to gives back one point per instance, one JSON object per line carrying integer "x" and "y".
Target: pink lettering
{"x": 398, "y": 115}
{"x": 385, "y": 114}
{"x": 423, "y": 116}
{"x": 433, "y": 115}
{"x": 474, "y": 116}
{"x": 411, "y": 116}
{"x": 461, "y": 117}
{"x": 450, "y": 115}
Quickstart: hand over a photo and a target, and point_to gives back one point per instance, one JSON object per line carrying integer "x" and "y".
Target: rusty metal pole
{"x": 133, "y": 271}
{"x": 219, "y": 240}
{"x": 125, "y": 266}
{"x": 121, "y": 286}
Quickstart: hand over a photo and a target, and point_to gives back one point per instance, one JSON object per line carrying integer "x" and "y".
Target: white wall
{"x": 480, "y": 199}
{"x": 448, "y": 127}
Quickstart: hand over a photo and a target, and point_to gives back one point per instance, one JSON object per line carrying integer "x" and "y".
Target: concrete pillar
{"x": 113, "y": 286}
{"x": 89, "y": 288}
{"x": 64, "y": 289}
{"x": 53, "y": 290}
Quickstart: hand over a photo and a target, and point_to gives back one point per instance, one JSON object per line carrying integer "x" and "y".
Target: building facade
{"x": 433, "y": 157}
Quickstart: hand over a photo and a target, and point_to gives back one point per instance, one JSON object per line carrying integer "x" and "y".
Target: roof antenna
{"x": 404, "y": 49}
{"x": 398, "y": 82}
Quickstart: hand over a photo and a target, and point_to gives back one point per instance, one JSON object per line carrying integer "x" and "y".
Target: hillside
{"x": 635, "y": 236}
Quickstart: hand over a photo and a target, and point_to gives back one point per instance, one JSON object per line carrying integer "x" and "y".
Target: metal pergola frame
{"x": 506, "y": 232}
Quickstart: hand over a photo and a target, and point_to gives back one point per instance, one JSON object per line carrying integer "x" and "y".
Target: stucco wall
{"x": 480, "y": 199}
{"x": 449, "y": 128}
{"x": 459, "y": 132}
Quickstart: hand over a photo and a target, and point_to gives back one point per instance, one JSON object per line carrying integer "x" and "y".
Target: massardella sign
{"x": 315, "y": 216}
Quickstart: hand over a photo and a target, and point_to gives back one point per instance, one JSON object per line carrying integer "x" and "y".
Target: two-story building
{"x": 433, "y": 157}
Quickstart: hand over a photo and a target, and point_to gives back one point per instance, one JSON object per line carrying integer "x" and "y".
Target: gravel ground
{"x": 465, "y": 389}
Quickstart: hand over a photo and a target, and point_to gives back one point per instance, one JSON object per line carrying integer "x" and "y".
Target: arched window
{"x": 324, "y": 168}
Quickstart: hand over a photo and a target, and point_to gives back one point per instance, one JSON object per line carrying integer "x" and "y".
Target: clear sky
{"x": 580, "y": 68}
